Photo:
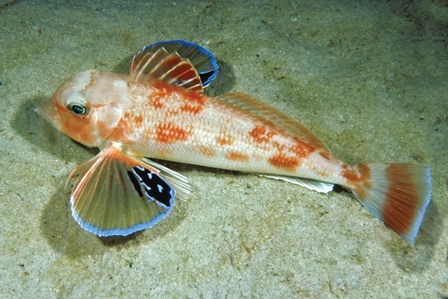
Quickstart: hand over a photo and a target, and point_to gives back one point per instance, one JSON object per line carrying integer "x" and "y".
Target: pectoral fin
{"x": 117, "y": 195}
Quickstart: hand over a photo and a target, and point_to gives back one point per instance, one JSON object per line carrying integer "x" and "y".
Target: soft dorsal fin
{"x": 202, "y": 59}
{"x": 170, "y": 68}
{"x": 272, "y": 117}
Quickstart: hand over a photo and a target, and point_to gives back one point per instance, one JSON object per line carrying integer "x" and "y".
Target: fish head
{"x": 87, "y": 107}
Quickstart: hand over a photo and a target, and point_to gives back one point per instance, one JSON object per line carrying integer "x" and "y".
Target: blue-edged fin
{"x": 202, "y": 59}
{"x": 117, "y": 195}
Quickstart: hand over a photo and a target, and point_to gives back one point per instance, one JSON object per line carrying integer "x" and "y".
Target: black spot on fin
{"x": 152, "y": 186}
{"x": 135, "y": 182}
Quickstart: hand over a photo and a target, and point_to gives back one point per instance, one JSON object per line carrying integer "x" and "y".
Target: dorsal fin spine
{"x": 201, "y": 60}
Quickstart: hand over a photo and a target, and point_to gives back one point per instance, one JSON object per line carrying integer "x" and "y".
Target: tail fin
{"x": 397, "y": 194}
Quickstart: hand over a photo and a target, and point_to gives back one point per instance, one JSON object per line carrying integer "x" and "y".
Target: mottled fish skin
{"x": 170, "y": 123}
{"x": 146, "y": 115}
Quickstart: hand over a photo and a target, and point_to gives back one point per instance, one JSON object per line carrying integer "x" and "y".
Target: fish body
{"x": 159, "y": 111}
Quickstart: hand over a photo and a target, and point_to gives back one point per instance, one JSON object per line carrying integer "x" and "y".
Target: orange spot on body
{"x": 289, "y": 156}
{"x": 225, "y": 140}
{"x": 284, "y": 162}
{"x": 138, "y": 120}
{"x": 188, "y": 95}
{"x": 170, "y": 133}
{"x": 155, "y": 101}
{"x": 260, "y": 134}
{"x": 235, "y": 156}
{"x": 359, "y": 177}
{"x": 353, "y": 175}
{"x": 192, "y": 109}
{"x": 302, "y": 149}
{"x": 402, "y": 199}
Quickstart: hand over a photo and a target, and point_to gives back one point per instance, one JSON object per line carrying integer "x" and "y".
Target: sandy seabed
{"x": 368, "y": 77}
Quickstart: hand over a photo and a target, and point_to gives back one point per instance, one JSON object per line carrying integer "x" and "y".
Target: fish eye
{"x": 76, "y": 104}
{"x": 77, "y": 109}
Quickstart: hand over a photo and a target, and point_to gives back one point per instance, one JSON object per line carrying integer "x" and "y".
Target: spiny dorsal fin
{"x": 170, "y": 68}
{"x": 202, "y": 59}
{"x": 272, "y": 117}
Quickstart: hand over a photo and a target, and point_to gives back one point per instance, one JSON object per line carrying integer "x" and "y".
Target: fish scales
{"x": 160, "y": 111}
{"x": 166, "y": 123}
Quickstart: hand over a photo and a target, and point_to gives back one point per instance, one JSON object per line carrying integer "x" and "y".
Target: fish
{"x": 160, "y": 111}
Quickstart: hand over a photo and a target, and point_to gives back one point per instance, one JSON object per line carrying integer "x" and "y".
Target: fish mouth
{"x": 43, "y": 109}
{"x": 48, "y": 111}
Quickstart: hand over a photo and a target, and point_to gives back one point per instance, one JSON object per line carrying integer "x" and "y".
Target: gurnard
{"x": 160, "y": 111}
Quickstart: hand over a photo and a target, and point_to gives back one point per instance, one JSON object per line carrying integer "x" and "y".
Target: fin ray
{"x": 170, "y": 68}
{"x": 397, "y": 194}
{"x": 202, "y": 59}
{"x": 272, "y": 117}
{"x": 178, "y": 181}
{"x": 107, "y": 196}
{"x": 314, "y": 185}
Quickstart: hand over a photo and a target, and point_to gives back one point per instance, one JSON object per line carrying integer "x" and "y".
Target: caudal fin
{"x": 397, "y": 194}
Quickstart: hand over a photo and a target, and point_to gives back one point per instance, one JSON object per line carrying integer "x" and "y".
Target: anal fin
{"x": 314, "y": 185}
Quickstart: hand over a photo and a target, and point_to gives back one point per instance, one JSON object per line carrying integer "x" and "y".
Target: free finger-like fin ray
{"x": 116, "y": 195}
